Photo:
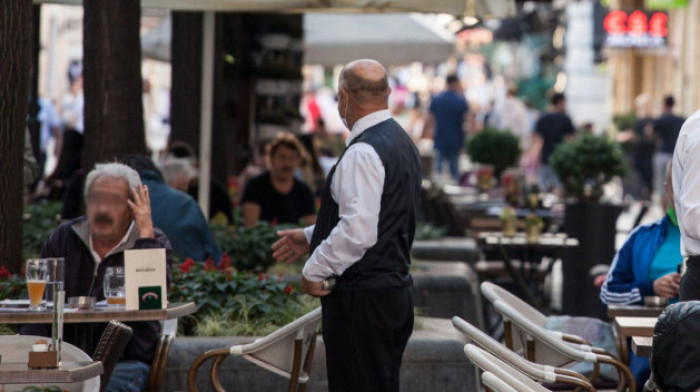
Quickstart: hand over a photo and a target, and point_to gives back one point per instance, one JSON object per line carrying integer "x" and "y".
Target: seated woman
{"x": 646, "y": 265}
{"x": 276, "y": 195}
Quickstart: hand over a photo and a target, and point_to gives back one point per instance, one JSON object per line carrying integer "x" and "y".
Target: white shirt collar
{"x": 367, "y": 122}
{"x": 120, "y": 244}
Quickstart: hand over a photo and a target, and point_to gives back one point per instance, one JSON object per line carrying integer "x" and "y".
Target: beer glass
{"x": 37, "y": 274}
{"x": 113, "y": 286}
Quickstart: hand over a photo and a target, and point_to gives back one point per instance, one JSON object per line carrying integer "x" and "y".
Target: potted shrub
{"x": 583, "y": 166}
{"x": 491, "y": 146}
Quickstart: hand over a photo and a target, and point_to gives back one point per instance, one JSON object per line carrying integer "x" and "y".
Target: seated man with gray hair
{"x": 118, "y": 218}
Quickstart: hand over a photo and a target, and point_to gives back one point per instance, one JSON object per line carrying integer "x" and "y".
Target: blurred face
{"x": 283, "y": 163}
{"x": 108, "y": 213}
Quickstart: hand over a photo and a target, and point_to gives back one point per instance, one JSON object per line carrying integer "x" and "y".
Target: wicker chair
{"x": 110, "y": 348}
{"x": 287, "y": 352}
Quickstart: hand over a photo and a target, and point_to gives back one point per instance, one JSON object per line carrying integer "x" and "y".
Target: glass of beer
{"x": 113, "y": 286}
{"x": 37, "y": 273}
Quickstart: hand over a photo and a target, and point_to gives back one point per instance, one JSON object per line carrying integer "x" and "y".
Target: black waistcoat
{"x": 386, "y": 264}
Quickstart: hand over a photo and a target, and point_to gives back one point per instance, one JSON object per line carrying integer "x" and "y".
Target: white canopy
{"x": 480, "y": 8}
{"x": 392, "y": 39}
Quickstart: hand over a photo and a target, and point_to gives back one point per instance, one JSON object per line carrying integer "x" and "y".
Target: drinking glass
{"x": 57, "y": 276}
{"x": 113, "y": 286}
{"x": 37, "y": 274}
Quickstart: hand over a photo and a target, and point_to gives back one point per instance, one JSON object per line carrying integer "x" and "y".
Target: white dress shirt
{"x": 357, "y": 187}
{"x": 686, "y": 184}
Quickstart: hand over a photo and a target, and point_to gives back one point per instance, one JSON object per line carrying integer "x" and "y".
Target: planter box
{"x": 446, "y": 289}
{"x": 434, "y": 360}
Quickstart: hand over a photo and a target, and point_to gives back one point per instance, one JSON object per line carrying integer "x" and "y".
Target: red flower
{"x": 187, "y": 266}
{"x": 289, "y": 289}
{"x": 229, "y": 274}
{"x": 5, "y": 273}
{"x": 261, "y": 277}
{"x": 209, "y": 265}
{"x": 225, "y": 262}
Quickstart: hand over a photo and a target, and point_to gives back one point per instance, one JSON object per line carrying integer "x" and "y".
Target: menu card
{"x": 145, "y": 279}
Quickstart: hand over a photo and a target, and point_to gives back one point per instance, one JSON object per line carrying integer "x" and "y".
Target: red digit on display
{"x": 637, "y": 23}
{"x": 658, "y": 25}
{"x": 615, "y": 23}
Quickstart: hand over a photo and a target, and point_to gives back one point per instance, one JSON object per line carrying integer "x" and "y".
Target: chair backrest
{"x": 14, "y": 348}
{"x": 539, "y": 344}
{"x": 495, "y": 384}
{"x": 502, "y": 370}
{"x": 493, "y": 292}
{"x": 110, "y": 347}
{"x": 160, "y": 358}
{"x": 275, "y": 352}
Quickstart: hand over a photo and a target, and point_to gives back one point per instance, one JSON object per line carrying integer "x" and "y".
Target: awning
{"x": 479, "y": 8}
{"x": 392, "y": 39}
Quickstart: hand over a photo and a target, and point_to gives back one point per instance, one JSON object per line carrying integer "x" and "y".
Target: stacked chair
{"x": 533, "y": 354}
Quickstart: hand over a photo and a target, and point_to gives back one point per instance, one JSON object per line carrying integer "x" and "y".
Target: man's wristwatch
{"x": 328, "y": 284}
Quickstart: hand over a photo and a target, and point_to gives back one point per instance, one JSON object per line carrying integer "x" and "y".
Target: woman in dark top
{"x": 276, "y": 195}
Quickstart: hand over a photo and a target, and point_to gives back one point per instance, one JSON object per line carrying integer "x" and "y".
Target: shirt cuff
{"x": 314, "y": 271}
{"x": 646, "y": 288}
{"x": 309, "y": 232}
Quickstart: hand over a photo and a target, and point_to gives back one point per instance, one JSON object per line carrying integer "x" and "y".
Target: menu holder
{"x": 43, "y": 360}
{"x": 145, "y": 279}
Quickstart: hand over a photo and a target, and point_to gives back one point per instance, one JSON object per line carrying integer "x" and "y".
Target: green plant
{"x": 39, "y": 220}
{"x": 587, "y": 163}
{"x": 233, "y": 302}
{"x": 12, "y": 286}
{"x": 248, "y": 247}
{"x": 499, "y": 148}
{"x": 625, "y": 121}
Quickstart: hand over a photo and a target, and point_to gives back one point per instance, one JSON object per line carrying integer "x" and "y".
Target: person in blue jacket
{"x": 646, "y": 265}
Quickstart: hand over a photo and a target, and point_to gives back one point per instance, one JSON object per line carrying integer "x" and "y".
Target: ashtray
{"x": 85, "y": 303}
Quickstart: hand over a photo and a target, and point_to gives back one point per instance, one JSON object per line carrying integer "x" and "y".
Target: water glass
{"x": 57, "y": 277}
{"x": 37, "y": 274}
{"x": 113, "y": 286}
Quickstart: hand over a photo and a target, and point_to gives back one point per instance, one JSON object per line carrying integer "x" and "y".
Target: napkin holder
{"x": 43, "y": 360}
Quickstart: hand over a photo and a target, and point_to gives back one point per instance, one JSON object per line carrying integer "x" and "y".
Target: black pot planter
{"x": 594, "y": 225}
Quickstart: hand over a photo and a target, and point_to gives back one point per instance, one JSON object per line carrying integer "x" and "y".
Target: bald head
{"x": 366, "y": 81}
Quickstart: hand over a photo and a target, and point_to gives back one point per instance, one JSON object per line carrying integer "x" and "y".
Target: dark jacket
{"x": 675, "y": 353}
{"x": 70, "y": 240}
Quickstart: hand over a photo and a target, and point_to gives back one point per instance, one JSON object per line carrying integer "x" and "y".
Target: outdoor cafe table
{"x": 641, "y": 346}
{"x": 547, "y": 245}
{"x": 68, "y": 372}
{"x": 635, "y": 326}
{"x": 97, "y": 315}
{"x": 633, "y": 311}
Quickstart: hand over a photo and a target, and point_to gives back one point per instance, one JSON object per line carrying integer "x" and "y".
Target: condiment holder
{"x": 41, "y": 357}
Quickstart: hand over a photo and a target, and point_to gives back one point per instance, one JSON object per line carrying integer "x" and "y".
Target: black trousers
{"x": 365, "y": 333}
{"x": 690, "y": 282}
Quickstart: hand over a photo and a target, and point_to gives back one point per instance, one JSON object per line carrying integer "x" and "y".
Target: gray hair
{"x": 172, "y": 168}
{"x": 113, "y": 170}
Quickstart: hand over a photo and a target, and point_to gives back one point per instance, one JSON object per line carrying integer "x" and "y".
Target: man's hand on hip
{"x": 291, "y": 246}
{"x": 314, "y": 289}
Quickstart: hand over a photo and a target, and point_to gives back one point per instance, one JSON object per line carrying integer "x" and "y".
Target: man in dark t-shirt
{"x": 551, "y": 129}
{"x": 666, "y": 130}
{"x": 448, "y": 112}
{"x": 276, "y": 195}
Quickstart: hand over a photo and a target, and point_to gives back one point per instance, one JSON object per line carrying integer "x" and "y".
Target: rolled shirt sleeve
{"x": 357, "y": 187}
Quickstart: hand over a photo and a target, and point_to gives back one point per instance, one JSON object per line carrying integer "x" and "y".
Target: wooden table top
{"x": 633, "y": 311}
{"x": 99, "y": 315}
{"x": 641, "y": 346}
{"x": 635, "y": 326}
{"x": 19, "y": 373}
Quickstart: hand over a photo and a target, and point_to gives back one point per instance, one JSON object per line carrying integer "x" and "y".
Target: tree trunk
{"x": 114, "y": 125}
{"x": 15, "y": 57}
{"x": 186, "y": 60}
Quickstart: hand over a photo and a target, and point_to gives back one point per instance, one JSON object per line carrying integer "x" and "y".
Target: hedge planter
{"x": 433, "y": 361}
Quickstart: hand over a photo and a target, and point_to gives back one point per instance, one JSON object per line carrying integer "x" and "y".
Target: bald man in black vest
{"x": 359, "y": 248}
